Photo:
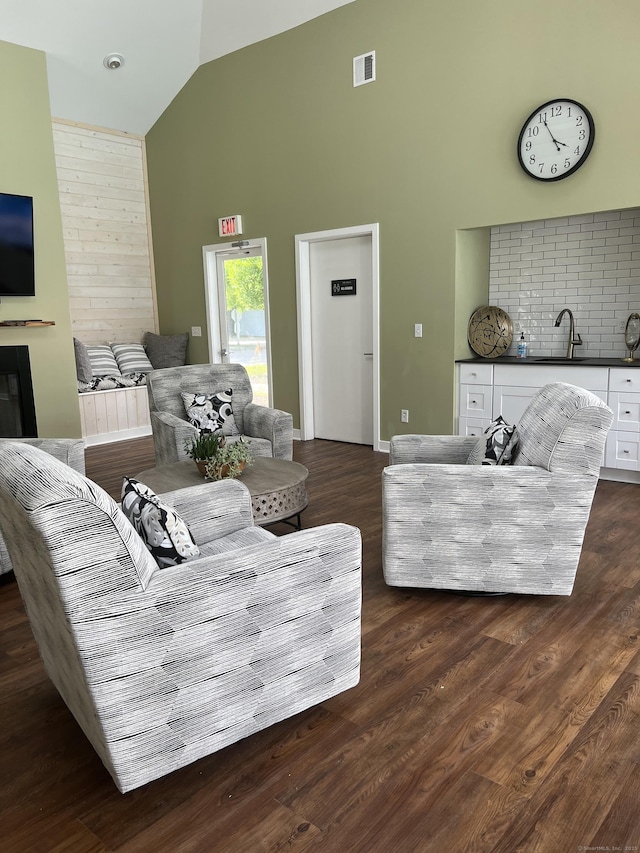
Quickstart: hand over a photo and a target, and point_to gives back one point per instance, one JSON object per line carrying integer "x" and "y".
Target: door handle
{"x": 223, "y": 353}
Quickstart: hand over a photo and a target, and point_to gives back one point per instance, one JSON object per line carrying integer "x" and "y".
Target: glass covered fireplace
{"x": 17, "y": 406}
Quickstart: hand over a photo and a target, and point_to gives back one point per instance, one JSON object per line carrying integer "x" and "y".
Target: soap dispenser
{"x": 522, "y": 346}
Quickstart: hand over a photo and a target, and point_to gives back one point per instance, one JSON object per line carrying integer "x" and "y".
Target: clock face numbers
{"x": 556, "y": 140}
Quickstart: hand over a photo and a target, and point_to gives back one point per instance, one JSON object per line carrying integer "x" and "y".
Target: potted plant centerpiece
{"x": 230, "y": 460}
{"x": 203, "y": 447}
{"x": 216, "y": 457}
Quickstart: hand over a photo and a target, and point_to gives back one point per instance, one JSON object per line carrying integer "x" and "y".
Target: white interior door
{"x": 341, "y": 301}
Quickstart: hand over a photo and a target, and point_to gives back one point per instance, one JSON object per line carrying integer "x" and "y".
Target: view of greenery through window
{"x": 244, "y": 291}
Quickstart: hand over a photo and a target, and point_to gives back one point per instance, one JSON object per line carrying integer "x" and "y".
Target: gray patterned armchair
{"x": 270, "y": 430}
{"x": 496, "y": 528}
{"x": 162, "y": 666}
{"x": 68, "y": 450}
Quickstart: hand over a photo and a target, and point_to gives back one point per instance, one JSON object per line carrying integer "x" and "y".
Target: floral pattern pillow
{"x": 497, "y": 446}
{"x": 211, "y": 412}
{"x": 161, "y": 529}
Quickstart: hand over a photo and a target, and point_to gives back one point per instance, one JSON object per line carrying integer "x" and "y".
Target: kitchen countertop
{"x": 548, "y": 361}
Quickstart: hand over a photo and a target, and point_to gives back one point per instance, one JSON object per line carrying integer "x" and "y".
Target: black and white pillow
{"x": 108, "y": 383}
{"x": 211, "y": 412}
{"x": 497, "y": 446}
{"x": 165, "y": 534}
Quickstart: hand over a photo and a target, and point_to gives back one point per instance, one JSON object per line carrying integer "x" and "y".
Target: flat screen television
{"x": 17, "y": 273}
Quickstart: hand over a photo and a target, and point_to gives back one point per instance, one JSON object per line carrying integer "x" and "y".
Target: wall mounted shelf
{"x": 7, "y": 323}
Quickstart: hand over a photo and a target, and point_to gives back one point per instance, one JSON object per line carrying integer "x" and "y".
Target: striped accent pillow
{"x": 103, "y": 362}
{"x": 131, "y": 358}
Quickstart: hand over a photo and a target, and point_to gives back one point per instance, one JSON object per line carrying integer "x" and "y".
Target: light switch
{"x": 196, "y": 331}
{"x": 418, "y": 330}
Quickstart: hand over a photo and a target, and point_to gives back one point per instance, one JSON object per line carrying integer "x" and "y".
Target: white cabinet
{"x": 626, "y": 411}
{"x": 510, "y": 401}
{"x": 489, "y": 390}
{"x": 514, "y": 385}
{"x": 623, "y": 441}
{"x": 624, "y": 379}
{"x": 622, "y": 450}
{"x": 474, "y": 398}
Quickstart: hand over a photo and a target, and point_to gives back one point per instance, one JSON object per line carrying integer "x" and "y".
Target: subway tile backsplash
{"x": 588, "y": 263}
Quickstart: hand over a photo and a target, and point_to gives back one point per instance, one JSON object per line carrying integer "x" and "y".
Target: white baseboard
{"x": 620, "y": 475}
{"x": 121, "y": 435}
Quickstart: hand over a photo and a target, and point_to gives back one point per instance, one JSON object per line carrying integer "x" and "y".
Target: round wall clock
{"x": 556, "y": 139}
{"x": 490, "y": 331}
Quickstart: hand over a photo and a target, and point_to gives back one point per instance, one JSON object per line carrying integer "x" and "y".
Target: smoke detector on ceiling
{"x": 113, "y": 61}
{"x": 364, "y": 68}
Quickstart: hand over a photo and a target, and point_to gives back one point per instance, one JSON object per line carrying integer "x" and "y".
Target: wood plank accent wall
{"x": 105, "y": 217}
{"x": 116, "y": 415}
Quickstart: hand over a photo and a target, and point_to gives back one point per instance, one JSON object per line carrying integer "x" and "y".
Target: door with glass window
{"x": 237, "y": 306}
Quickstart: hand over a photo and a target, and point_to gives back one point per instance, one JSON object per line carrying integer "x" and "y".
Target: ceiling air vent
{"x": 364, "y": 68}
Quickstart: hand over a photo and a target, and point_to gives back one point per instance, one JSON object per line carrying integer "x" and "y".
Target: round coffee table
{"x": 276, "y": 486}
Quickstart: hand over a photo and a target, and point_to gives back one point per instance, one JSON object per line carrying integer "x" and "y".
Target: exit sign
{"x": 229, "y": 226}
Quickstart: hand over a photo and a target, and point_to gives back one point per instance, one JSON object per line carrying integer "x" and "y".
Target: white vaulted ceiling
{"x": 162, "y": 41}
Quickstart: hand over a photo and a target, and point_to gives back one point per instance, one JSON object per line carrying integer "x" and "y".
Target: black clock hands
{"x": 555, "y": 141}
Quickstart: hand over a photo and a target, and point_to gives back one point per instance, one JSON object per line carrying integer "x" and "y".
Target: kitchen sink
{"x": 559, "y": 359}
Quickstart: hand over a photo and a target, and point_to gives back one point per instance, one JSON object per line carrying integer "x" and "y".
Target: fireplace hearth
{"x": 17, "y": 405}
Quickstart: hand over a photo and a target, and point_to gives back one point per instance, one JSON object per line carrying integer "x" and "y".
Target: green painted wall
{"x": 277, "y": 133}
{"x": 27, "y": 167}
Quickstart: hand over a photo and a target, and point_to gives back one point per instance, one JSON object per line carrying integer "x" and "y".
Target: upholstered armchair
{"x": 69, "y": 451}
{"x": 496, "y": 528}
{"x": 162, "y": 666}
{"x": 270, "y": 430}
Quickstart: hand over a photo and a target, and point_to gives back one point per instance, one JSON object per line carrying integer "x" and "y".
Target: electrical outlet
{"x": 623, "y": 323}
{"x": 404, "y": 416}
{"x": 196, "y": 331}
{"x": 417, "y": 330}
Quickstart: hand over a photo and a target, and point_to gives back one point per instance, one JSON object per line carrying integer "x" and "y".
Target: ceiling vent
{"x": 364, "y": 68}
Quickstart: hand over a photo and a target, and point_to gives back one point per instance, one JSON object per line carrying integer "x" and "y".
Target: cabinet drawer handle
{"x": 625, "y": 451}
{"x": 628, "y": 380}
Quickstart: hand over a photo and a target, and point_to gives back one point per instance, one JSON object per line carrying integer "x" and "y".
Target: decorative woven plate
{"x": 490, "y": 331}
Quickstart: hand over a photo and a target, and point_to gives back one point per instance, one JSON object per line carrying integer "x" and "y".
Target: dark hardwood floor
{"x": 480, "y": 724}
